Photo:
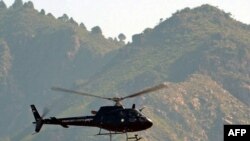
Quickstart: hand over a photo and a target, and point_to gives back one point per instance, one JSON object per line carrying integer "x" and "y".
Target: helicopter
{"x": 115, "y": 119}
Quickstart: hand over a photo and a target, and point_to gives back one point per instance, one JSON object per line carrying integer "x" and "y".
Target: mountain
{"x": 202, "y": 53}
{"x": 194, "y": 111}
{"x": 202, "y": 40}
{"x": 188, "y": 110}
{"x": 39, "y": 51}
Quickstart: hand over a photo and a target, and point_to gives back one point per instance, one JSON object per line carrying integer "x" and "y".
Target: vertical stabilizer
{"x": 38, "y": 118}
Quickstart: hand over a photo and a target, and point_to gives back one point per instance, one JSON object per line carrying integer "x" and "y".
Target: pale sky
{"x": 131, "y": 16}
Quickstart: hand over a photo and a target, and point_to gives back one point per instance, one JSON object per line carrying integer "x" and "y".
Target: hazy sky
{"x": 131, "y": 16}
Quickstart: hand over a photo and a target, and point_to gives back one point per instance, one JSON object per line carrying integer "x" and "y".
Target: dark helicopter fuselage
{"x": 116, "y": 119}
{"x": 111, "y": 118}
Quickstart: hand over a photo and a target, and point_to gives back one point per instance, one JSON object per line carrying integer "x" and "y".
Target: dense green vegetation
{"x": 38, "y": 51}
{"x": 203, "y": 40}
{"x": 203, "y": 53}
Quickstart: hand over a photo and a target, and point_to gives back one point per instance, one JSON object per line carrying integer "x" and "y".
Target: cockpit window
{"x": 134, "y": 113}
{"x": 121, "y": 113}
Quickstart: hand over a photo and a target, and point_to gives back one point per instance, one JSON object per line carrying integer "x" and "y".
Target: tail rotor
{"x": 38, "y": 119}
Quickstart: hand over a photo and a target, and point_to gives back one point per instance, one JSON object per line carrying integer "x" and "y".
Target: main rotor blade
{"x": 148, "y": 90}
{"x": 78, "y": 93}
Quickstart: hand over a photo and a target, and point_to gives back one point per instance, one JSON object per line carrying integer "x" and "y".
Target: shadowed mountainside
{"x": 203, "y": 53}
{"x": 202, "y": 40}
{"x": 39, "y": 51}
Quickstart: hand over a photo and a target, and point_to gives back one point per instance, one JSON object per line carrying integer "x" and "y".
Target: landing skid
{"x": 133, "y": 138}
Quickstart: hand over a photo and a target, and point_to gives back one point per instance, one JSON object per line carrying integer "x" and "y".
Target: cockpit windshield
{"x": 135, "y": 113}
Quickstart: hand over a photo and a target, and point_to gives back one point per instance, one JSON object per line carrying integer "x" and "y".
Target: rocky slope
{"x": 202, "y": 53}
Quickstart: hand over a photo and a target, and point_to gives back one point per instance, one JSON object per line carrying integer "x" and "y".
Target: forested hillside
{"x": 203, "y": 54}
{"x": 38, "y": 51}
{"x": 202, "y": 40}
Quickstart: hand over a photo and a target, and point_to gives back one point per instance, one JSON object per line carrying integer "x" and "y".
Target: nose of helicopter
{"x": 149, "y": 123}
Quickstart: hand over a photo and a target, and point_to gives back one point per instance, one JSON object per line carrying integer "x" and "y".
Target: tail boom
{"x": 64, "y": 122}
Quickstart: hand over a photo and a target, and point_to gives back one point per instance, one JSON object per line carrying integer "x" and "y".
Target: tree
{"x": 64, "y": 18}
{"x": 2, "y": 5}
{"x": 50, "y": 15}
{"x": 17, "y": 4}
{"x": 137, "y": 39}
{"x": 29, "y": 4}
{"x": 147, "y": 30}
{"x": 96, "y": 30}
{"x": 121, "y": 37}
{"x": 71, "y": 20}
{"x": 42, "y": 12}
{"x": 83, "y": 26}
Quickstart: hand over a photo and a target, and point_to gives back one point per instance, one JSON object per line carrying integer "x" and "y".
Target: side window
{"x": 132, "y": 113}
{"x": 132, "y": 116}
{"x": 121, "y": 114}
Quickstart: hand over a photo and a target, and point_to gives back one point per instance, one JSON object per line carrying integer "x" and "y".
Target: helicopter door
{"x": 101, "y": 120}
{"x": 122, "y": 117}
{"x": 123, "y": 120}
